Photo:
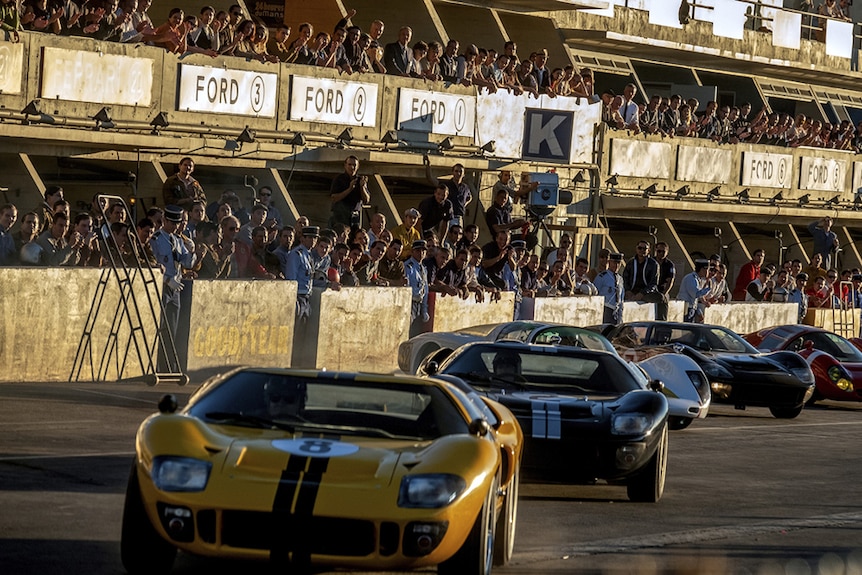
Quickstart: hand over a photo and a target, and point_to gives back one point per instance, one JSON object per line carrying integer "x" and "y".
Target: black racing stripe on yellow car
{"x": 288, "y": 483}
{"x": 310, "y": 486}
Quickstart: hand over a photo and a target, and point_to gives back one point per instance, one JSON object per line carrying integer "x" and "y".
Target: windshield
{"x": 373, "y": 408}
{"x": 830, "y": 343}
{"x": 543, "y": 368}
{"x": 573, "y": 337}
{"x": 703, "y": 338}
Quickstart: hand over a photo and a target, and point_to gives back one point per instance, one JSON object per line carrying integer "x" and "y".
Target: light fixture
{"x": 779, "y": 197}
{"x": 683, "y": 191}
{"x": 612, "y": 182}
{"x": 650, "y": 190}
{"x": 857, "y": 203}
{"x": 34, "y": 108}
{"x": 298, "y": 139}
{"x": 159, "y": 122}
{"x": 802, "y": 199}
{"x": 713, "y": 193}
{"x": 390, "y": 137}
{"x": 489, "y": 147}
{"x": 832, "y": 202}
{"x": 743, "y": 197}
{"x": 246, "y": 136}
{"x": 579, "y": 178}
{"x": 103, "y": 119}
{"x": 345, "y": 137}
{"x": 446, "y": 144}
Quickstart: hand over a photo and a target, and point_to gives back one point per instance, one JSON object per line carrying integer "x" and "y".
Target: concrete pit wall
{"x": 453, "y": 313}
{"x": 44, "y": 313}
{"x": 241, "y": 322}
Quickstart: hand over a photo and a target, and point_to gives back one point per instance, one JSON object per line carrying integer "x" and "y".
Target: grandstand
{"x": 104, "y": 117}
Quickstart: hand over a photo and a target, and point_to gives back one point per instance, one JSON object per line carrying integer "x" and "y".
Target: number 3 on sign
{"x": 308, "y": 447}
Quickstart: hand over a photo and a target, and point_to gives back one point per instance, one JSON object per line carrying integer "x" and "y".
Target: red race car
{"x": 836, "y": 361}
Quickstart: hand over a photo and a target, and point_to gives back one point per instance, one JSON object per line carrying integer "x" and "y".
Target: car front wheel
{"x": 648, "y": 485}
{"x": 142, "y": 549}
{"x": 786, "y": 412}
{"x": 476, "y": 555}
{"x": 504, "y": 542}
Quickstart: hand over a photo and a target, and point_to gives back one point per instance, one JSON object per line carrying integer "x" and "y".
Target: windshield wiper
{"x": 236, "y": 418}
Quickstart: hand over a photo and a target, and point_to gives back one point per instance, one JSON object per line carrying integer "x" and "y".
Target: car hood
{"x": 744, "y": 361}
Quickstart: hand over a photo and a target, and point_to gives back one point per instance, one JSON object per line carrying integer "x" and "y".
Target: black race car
{"x": 585, "y": 413}
{"x": 738, "y": 373}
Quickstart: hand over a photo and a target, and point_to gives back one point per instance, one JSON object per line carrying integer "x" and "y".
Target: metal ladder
{"x": 128, "y": 313}
{"x": 844, "y": 316}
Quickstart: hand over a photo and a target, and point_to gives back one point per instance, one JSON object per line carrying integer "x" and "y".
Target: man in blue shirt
{"x": 8, "y": 215}
{"x": 417, "y": 279}
{"x": 300, "y": 268}
{"x": 825, "y": 240}
{"x": 610, "y": 286}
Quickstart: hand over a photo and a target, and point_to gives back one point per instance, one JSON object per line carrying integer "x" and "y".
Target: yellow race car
{"x": 304, "y": 468}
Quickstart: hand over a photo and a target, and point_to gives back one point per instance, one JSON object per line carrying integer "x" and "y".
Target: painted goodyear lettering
{"x": 251, "y": 338}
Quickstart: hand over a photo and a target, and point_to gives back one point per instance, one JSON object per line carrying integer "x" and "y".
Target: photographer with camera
{"x": 347, "y": 194}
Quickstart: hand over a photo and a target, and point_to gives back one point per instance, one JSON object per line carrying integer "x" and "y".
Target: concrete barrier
{"x": 675, "y": 310}
{"x": 450, "y": 313}
{"x": 638, "y": 311}
{"x": 44, "y": 315}
{"x": 576, "y": 310}
{"x": 843, "y": 322}
{"x": 239, "y": 322}
{"x": 749, "y": 317}
{"x": 355, "y": 329}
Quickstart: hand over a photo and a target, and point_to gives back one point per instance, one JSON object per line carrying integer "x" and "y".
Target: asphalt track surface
{"x": 746, "y": 493}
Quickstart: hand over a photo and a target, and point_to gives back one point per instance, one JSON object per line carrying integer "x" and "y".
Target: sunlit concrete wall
{"x": 43, "y": 315}
{"x": 749, "y": 317}
{"x": 355, "y": 329}
{"x": 452, "y": 313}
{"x": 576, "y": 310}
{"x": 240, "y": 322}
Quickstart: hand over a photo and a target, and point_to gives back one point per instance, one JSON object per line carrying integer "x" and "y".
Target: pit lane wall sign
{"x": 641, "y": 159}
{"x": 766, "y": 170}
{"x": 544, "y": 129}
{"x": 11, "y": 67}
{"x": 342, "y": 102}
{"x": 436, "y": 112}
{"x": 697, "y": 164}
{"x": 857, "y": 179}
{"x": 79, "y": 76}
{"x": 223, "y": 91}
{"x": 822, "y": 174}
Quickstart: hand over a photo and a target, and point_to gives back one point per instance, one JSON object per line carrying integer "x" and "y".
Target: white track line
{"x": 67, "y": 455}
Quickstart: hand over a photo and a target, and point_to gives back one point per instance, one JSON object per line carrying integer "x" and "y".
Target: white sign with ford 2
{"x": 343, "y": 102}
{"x": 223, "y": 91}
{"x": 436, "y": 112}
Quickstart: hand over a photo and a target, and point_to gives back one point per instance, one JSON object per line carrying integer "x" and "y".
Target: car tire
{"x": 648, "y": 485}
{"x": 678, "y": 423}
{"x": 504, "y": 541}
{"x": 476, "y": 555}
{"x": 786, "y": 412}
{"x": 142, "y": 549}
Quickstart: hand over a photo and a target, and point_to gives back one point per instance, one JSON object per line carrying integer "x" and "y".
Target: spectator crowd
{"x": 433, "y": 250}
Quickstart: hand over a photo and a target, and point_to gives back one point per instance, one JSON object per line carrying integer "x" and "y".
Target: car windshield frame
{"x": 544, "y": 368}
{"x": 350, "y": 406}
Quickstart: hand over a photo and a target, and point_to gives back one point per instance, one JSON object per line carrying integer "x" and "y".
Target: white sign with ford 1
{"x": 436, "y": 112}
{"x": 343, "y": 102}
{"x": 766, "y": 170}
{"x": 223, "y": 91}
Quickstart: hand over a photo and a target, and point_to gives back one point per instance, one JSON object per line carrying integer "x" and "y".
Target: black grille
{"x": 206, "y": 525}
{"x": 320, "y": 535}
{"x": 389, "y": 538}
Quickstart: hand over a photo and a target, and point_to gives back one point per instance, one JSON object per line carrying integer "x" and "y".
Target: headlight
{"x": 839, "y": 378}
{"x": 630, "y": 423}
{"x": 712, "y": 369}
{"x": 180, "y": 473}
{"x": 430, "y": 491}
{"x": 721, "y": 390}
{"x": 803, "y": 373}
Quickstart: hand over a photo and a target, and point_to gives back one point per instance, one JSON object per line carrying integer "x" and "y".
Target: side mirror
{"x": 656, "y": 385}
{"x": 431, "y": 367}
{"x": 168, "y": 403}
{"x": 479, "y": 427}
